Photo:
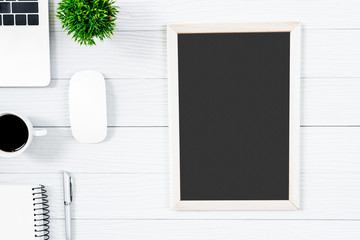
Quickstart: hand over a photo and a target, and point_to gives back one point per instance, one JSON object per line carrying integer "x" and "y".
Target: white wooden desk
{"x": 122, "y": 185}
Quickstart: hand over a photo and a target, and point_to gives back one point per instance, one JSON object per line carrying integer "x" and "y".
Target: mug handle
{"x": 39, "y": 132}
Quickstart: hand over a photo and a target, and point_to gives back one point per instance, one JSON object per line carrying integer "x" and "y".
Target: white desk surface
{"x": 122, "y": 185}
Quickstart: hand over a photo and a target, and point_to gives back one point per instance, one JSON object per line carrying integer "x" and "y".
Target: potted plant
{"x": 88, "y": 20}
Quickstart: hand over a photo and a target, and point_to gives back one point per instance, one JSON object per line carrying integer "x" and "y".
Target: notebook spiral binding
{"x": 41, "y": 213}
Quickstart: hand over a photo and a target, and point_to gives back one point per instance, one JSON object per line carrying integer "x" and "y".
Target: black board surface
{"x": 234, "y": 116}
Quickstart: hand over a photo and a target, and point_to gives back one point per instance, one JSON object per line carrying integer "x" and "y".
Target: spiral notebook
{"x": 24, "y": 213}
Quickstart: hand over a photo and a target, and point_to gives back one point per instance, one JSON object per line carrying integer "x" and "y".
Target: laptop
{"x": 24, "y": 43}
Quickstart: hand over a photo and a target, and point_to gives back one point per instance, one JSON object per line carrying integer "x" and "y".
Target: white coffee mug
{"x": 31, "y": 133}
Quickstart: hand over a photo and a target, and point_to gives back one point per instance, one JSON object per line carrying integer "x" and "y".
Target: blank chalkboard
{"x": 233, "y": 121}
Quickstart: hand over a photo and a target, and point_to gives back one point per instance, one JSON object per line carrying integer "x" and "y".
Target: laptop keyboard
{"x": 19, "y": 13}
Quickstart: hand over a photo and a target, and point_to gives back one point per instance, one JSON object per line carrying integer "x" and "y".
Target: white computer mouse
{"x": 87, "y": 103}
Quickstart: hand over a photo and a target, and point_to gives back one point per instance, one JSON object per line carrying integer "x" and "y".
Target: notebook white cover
{"x": 17, "y": 213}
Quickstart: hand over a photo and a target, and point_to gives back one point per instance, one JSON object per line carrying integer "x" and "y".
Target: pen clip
{"x": 68, "y": 188}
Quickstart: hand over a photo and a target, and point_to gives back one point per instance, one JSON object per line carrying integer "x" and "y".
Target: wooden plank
{"x": 143, "y": 55}
{"x": 208, "y": 229}
{"x": 143, "y": 102}
{"x": 155, "y": 14}
{"x": 127, "y": 55}
{"x": 326, "y": 53}
{"x": 147, "y": 196}
{"x": 330, "y": 101}
{"x": 330, "y": 150}
{"x": 145, "y": 150}
{"x": 131, "y": 102}
{"x": 174, "y": 115}
{"x": 124, "y": 150}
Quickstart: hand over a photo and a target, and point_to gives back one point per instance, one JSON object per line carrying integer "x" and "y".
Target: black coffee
{"x": 13, "y": 133}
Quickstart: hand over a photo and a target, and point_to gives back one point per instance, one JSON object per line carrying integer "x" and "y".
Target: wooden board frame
{"x": 294, "y": 119}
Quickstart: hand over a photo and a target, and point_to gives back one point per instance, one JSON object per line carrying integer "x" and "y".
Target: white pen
{"x": 68, "y": 197}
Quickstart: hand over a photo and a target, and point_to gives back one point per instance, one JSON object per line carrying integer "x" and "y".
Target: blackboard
{"x": 234, "y": 118}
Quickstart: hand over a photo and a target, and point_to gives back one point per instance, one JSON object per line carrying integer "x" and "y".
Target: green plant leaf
{"x": 88, "y": 19}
